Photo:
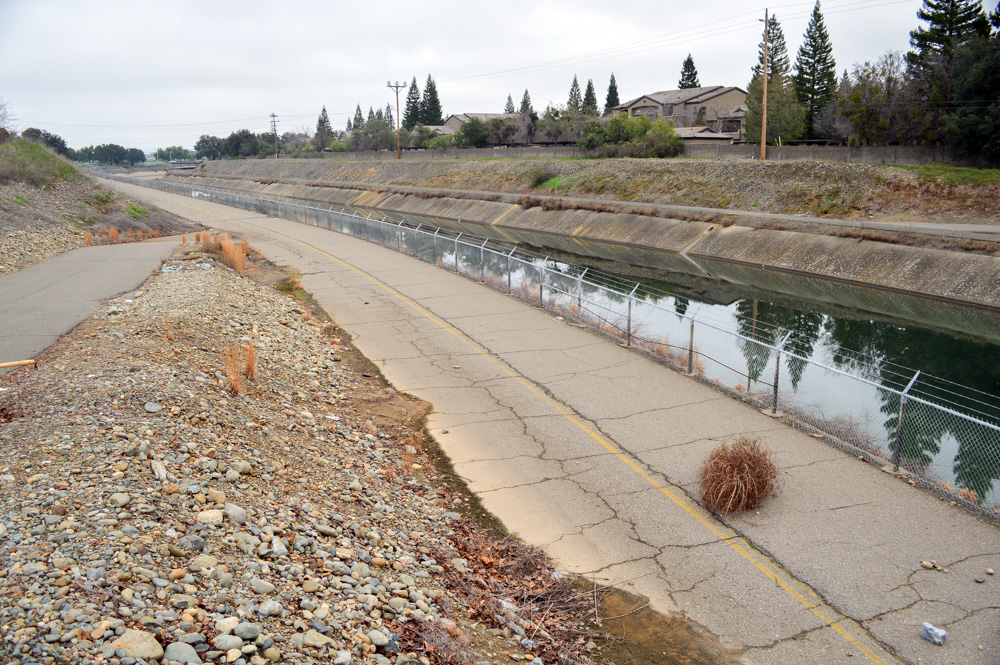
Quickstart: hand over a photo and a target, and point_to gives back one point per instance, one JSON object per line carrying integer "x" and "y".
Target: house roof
{"x": 700, "y": 133}
{"x": 685, "y": 96}
{"x": 738, "y": 111}
{"x": 441, "y": 129}
{"x": 466, "y": 117}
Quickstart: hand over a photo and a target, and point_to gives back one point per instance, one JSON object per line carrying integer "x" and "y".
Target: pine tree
{"x": 689, "y": 75}
{"x": 371, "y": 114}
{"x": 430, "y": 105}
{"x": 350, "y": 125}
{"x": 589, "y": 106}
{"x": 324, "y": 131}
{"x": 359, "y": 120}
{"x": 575, "y": 101}
{"x": 815, "y": 77}
{"x": 389, "y": 119}
{"x": 611, "y": 100}
{"x": 785, "y": 116}
{"x": 777, "y": 52}
{"x": 951, "y": 23}
{"x": 411, "y": 112}
{"x": 380, "y": 116}
{"x": 526, "y": 103}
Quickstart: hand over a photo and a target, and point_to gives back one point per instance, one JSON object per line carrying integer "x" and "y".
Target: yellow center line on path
{"x": 793, "y": 587}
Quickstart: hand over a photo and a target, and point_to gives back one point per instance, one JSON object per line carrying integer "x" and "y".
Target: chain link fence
{"x": 941, "y": 435}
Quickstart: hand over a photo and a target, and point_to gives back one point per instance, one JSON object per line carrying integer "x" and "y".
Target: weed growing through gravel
{"x": 738, "y": 476}
{"x": 232, "y": 358}
{"x": 250, "y": 361}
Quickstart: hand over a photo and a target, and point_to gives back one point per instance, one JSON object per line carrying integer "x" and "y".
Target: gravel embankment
{"x": 148, "y": 514}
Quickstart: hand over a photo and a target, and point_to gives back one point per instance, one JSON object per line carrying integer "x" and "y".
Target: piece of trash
{"x": 333, "y": 417}
{"x": 444, "y": 431}
{"x": 816, "y": 436}
{"x": 932, "y": 634}
{"x": 456, "y": 367}
{"x": 366, "y": 374}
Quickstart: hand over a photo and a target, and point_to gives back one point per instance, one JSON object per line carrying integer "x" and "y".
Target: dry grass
{"x": 250, "y": 361}
{"x": 88, "y": 238}
{"x": 168, "y": 333}
{"x": 130, "y": 235}
{"x": 113, "y": 234}
{"x": 738, "y": 476}
{"x": 969, "y": 495}
{"x": 245, "y": 247}
{"x": 232, "y": 255}
{"x": 184, "y": 239}
{"x": 232, "y": 358}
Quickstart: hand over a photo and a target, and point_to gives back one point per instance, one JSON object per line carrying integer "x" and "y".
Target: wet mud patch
{"x": 638, "y": 635}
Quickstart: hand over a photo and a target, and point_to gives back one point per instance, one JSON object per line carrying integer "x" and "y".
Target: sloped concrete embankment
{"x": 631, "y": 238}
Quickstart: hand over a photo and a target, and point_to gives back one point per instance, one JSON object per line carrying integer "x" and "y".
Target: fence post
{"x": 456, "y": 251}
{"x": 399, "y": 236}
{"x": 897, "y": 453}
{"x": 579, "y": 297}
{"x": 628, "y": 327}
{"x": 541, "y": 284}
{"x": 777, "y": 367}
{"x": 509, "y": 290}
{"x": 482, "y": 261}
{"x": 694, "y": 315}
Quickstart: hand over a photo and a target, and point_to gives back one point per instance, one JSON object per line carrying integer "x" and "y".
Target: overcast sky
{"x": 154, "y": 74}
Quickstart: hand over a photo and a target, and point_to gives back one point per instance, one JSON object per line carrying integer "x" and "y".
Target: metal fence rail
{"x": 943, "y": 435}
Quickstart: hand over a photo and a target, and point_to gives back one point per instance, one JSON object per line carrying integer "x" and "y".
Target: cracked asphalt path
{"x": 592, "y": 451}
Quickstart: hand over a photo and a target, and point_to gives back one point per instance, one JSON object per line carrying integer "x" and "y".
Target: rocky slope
{"x": 160, "y": 505}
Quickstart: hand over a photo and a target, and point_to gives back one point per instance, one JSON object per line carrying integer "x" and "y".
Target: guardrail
{"x": 943, "y": 435}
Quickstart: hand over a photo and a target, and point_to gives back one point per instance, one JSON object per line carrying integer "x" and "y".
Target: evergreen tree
{"x": 509, "y": 106}
{"x": 611, "y": 100}
{"x": 689, "y": 75}
{"x": 324, "y": 131}
{"x": 380, "y": 116}
{"x": 815, "y": 77}
{"x": 389, "y": 119}
{"x": 371, "y": 114}
{"x": 589, "y": 106}
{"x": 526, "y": 103}
{"x": 777, "y": 51}
{"x": 411, "y": 112}
{"x": 785, "y": 116}
{"x": 359, "y": 120}
{"x": 350, "y": 125}
{"x": 575, "y": 101}
{"x": 430, "y": 105}
{"x": 951, "y": 23}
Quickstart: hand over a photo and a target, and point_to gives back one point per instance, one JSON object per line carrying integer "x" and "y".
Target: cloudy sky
{"x": 153, "y": 74}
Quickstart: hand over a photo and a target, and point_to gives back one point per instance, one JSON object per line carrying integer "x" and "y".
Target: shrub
{"x": 738, "y": 476}
{"x": 536, "y": 175}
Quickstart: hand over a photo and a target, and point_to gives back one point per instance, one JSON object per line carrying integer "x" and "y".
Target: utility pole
{"x": 274, "y": 130}
{"x": 763, "y": 121}
{"x": 397, "y": 87}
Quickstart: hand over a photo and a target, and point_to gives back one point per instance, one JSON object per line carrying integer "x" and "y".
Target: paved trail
{"x": 45, "y": 301}
{"x": 592, "y": 451}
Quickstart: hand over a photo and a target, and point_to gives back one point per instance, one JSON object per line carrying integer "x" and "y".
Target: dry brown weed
{"x": 738, "y": 476}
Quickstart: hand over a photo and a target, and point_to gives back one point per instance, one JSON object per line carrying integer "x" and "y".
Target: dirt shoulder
{"x": 52, "y": 214}
{"x": 154, "y": 495}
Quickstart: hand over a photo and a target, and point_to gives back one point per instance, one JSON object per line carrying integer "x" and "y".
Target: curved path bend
{"x": 592, "y": 452}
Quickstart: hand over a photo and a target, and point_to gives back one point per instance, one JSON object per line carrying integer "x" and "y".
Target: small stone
{"x": 182, "y": 601}
{"x": 248, "y": 631}
{"x": 235, "y": 514}
{"x": 316, "y": 639}
{"x": 989, "y": 571}
{"x": 153, "y": 407}
{"x": 227, "y": 642}
{"x": 270, "y": 608}
{"x": 176, "y": 574}
{"x": 272, "y": 654}
{"x": 138, "y": 644}
{"x": 343, "y": 658}
{"x": 980, "y": 580}
{"x": 227, "y": 625}
{"x": 159, "y": 470}
{"x": 261, "y": 587}
{"x": 927, "y": 564}
{"x": 216, "y": 496}
{"x": 233, "y": 654}
{"x": 120, "y": 499}
{"x": 310, "y": 586}
{"x": 183, "y": 653}
{"x": 210, "y": 517}
{"x": 933, "y": 634}
{"x": 378, "y": 638}
{"x": 192, "y": 543}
